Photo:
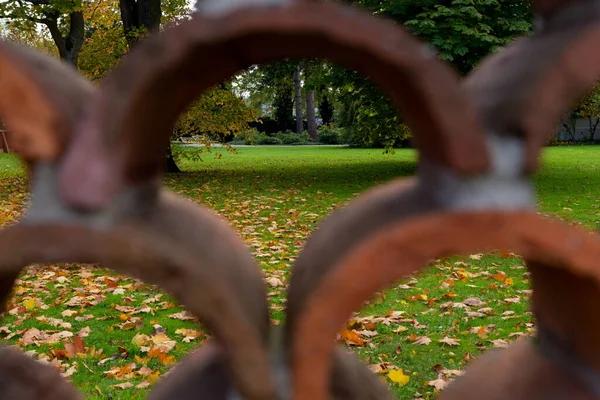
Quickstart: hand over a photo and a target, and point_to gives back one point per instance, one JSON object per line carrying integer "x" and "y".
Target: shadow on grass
{"x": 332, "y": 177}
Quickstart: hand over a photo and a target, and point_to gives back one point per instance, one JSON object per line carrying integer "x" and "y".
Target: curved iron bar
{"x": 438, "y": 111}
{"x": 149, "y": 82}
{"x": 342, "y": 231}
{"x": 57, "y": 95}
{"x": 41, "y": 101}
{"x": 526, "y": 88}
{"x": 406, "y": 248}
{"x": 518, "y": 372}
{"x": 34, "y": 84}
{"x": 202, "y": 375}
{"x": 22, "y": 378}
{"x": 199, "y": 277}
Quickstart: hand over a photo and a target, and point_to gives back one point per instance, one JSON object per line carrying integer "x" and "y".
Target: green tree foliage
{"x": 219, "y": 114}
{"x": 63, "y": 19}
{"x": 105, "y": 42}
{"x": 589, "y": 108}
{"x": 271, "y": 85}
{"x": 462, "y": 31}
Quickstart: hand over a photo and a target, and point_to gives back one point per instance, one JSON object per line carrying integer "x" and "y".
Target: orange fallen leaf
{"x": 482, "y": 332}
{"x": 352, "y": 338}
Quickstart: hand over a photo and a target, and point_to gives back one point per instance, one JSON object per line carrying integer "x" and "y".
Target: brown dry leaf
{"x": 275, "y": 282}
{"x": 473, "y": 314}
{"x": 380, "y": 368}
{"x": 188, "y": 334}
{"x": 513, "y": 300}
{"x": 57, "y": 337}
{"x": 439, "y": 384}
{"x": 423, "y": 340}
{"x": 32, "y": 336}
{"x": 125, "y": 309}
{"x": 143, "y": 385}
{"x": 77, "y": 346}
{"x": 124, "y": 385}
{"x": 84, "y": 332}
{"x": 367, "y": 333}
{"x": 183, "y": 316}
{"x": 449, "y": 341}
{"x": 453, "y": 372}
{"x": 69, "y": 372}
{"x": 145, "y": 310}
{"x": 473, "y": 302}
{"x": 54, "y": 322}
{"x": 476, "y": 256}
{"x": 500, "y": 343}
{"x": 163, "y": 342}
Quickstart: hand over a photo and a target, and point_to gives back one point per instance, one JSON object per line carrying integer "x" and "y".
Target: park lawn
{"x": 275, "y": 197}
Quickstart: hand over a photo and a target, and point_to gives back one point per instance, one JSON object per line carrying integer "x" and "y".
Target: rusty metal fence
{"x": 96, "y": 198}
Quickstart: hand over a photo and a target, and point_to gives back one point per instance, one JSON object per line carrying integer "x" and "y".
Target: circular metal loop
{"x": 41, "y": 101}
{"x": 165, "y": 73}
{"x": 407, "y": 247}
{"x": 341, "y": 232}
{"x": 22, "y": 378}
{"x": 527, "y": 87}
{"x": 210, "y": 272}
{"x": 202, "y": 376}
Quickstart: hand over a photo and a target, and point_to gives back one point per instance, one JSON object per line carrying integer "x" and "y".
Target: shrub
{"x": 329, "y": 135}
{"x": 293, "y": 139}
{"x": 249, "y": 137}
{"x": 268, "y": 140}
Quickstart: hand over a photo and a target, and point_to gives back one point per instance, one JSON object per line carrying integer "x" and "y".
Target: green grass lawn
{"x": 275, "y": 197}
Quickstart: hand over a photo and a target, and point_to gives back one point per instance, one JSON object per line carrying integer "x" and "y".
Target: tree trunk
{"x": 170, "y": 165}
{"x": 298, "y": 90}
{"x": 594, "y": 127}
{"x": 68, "y": 46}
{"x": 310, "y": 115}
{"x": 326, "y": 111}
{"x": 139, "y": 17}
{"x": 284, "y": 108}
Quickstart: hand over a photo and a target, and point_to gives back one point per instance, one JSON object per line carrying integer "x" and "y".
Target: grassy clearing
{"x": 275, "y": 197}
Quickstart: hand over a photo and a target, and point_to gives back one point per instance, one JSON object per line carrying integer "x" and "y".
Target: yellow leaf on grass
{"x": 29, "y": 304}
{"x": 398, "y": 377}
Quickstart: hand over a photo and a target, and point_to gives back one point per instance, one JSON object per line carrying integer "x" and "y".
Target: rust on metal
{"x": 404, "y": 249}
{"x": 41, "y": 99}
{"x": 96, "y": 198}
